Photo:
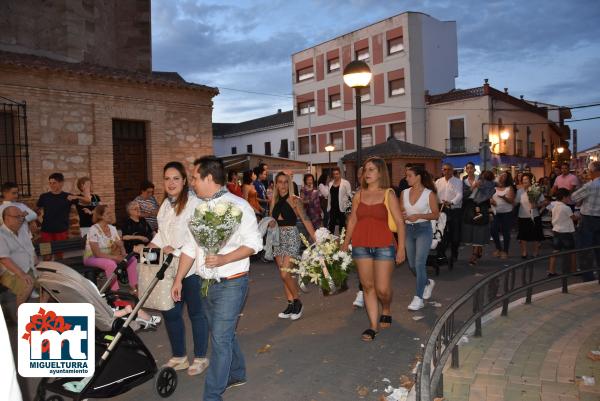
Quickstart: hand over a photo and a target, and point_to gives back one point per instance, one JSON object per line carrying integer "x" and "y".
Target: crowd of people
{"x": 385, "y": 225}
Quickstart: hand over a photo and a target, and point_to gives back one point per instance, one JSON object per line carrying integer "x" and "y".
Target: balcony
{"x": 519, "y": 150}
{"x": 455, "y": 145}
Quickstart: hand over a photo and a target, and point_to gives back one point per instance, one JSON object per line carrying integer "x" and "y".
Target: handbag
{"x": 391, "y": 222}
{"x": 160, "y": 297}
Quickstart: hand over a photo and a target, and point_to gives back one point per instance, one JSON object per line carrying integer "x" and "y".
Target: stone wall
{"x": 69, "y": 124}
{"x": 111, "y": 33}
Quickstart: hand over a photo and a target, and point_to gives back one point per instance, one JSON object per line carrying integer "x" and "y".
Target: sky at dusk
{"x": 545, "y": 50}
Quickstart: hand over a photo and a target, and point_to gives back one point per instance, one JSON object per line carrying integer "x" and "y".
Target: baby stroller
{"x": 122, "y": 360}
{"x": 441, "y": 239}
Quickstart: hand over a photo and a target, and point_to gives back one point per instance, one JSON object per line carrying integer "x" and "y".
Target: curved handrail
{"x": 444, "y": 337}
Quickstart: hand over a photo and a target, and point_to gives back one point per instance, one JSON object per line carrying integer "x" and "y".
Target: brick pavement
{"x": 320, "y": 357}
{"x": 537, "y": 352}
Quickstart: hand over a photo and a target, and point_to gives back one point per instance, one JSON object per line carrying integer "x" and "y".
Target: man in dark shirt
{"x": 261, "y": 191}
{"x": 56, "y": 207}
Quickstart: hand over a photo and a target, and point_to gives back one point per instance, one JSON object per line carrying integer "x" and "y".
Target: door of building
{"x": 129, "y": 162}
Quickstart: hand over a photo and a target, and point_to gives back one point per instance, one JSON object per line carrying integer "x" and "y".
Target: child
{"x": 562, "y": 229}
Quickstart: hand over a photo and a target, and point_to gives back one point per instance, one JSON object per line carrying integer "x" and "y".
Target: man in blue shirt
{"x": 261, "y": 175}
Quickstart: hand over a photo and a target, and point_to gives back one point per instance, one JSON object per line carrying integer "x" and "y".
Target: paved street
{"x": 320, "y": 356}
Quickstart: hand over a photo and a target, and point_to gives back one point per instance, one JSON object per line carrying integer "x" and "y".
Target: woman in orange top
{"x": 249, "y": 192}
{"x": 374, "y": 248}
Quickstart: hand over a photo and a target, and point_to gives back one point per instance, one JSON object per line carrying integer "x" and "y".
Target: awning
{"x": 460, "y": 161}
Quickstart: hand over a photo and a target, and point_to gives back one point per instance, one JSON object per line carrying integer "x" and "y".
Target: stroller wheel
{"x": 166, "y": 382}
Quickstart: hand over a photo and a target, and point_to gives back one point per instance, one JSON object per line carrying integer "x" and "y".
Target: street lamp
{"x": 560, "y": 150}
{"x": 357, "y": 75}
{"x": 330, "y": 147}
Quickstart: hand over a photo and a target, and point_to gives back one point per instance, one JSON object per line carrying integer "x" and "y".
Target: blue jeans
{"x": 418, "y": 244}
{"x": 502, "y": 223}
{"x": 383, "y": 253}
{"x": 223, "y": 306}
{"x": 588, "y": 234}
{"x": 190, "y": 295}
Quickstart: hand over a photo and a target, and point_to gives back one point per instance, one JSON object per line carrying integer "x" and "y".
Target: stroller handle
{"x": 166, "y": 263}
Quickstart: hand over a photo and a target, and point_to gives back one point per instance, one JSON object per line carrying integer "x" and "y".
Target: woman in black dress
{"x": 136, "y": 229}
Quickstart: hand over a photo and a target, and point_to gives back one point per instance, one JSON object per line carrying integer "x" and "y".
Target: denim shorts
{"x": 384, "y": 253}
{"x": 563, "y": 241}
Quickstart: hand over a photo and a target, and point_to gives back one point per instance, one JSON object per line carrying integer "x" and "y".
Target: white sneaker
{"x": 416, "y": 304}
{"x": 428, "y": 289}
{"x": 359, "y": 301}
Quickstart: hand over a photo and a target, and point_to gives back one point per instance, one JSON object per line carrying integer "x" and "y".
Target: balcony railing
{"x": 519, "y": 151}
{"x": 455, "y": 145}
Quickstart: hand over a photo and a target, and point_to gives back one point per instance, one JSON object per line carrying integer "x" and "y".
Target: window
{"x": 333, "y": 65}
{"x": 234, "y": 150}
{"x": 456, "y": 142}
{"x": 366, "y": 137}
{"x": 283, "y": 149}
{"x": 396, "y": 87}
{"x": 304, "y": 144}
{"x": 14, "y": 156}
{"x": 395, "y": 45}
{"x": 306, "y": 107}
{"x": 363, "y": 54}
{"x": 305, "y": 74}
{"x": 398, "y": 131}
{"x": 365, "y": 94}
{"x": 530, "y": 145}
{"x": 337, "y": 139}
{"x": 249, "y": 148}
{"x": 268, "y": 148}
{"x": 335, "y": 101}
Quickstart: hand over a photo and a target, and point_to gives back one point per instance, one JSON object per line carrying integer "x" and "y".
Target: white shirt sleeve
{"x": 457, "y": 185}
{"x": 31, "y": 215}
{"x": 249, "y": 234}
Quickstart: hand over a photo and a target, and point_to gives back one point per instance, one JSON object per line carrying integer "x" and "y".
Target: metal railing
{"x": 455, "y": 145}
{"x": 491, "y": 292}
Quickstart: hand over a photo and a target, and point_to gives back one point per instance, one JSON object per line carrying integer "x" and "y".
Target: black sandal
{"x": 385, "y": 319}
{"x": 368, "y": 335}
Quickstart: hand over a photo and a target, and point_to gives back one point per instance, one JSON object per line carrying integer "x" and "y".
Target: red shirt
{"x": 371, "y": 229}
{"x": 235, "y": 189}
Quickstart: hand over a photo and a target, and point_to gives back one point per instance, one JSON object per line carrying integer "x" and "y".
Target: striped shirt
{"x": 589, "y": 196}
{"x": 151, "y": 207}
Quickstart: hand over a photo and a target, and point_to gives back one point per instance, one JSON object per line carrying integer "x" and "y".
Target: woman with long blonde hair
{"x": 374, "y": 247}
{"x": 286, "y": 208}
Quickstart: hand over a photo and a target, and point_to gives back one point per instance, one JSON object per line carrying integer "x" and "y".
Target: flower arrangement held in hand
{"x": 323, "y": 263}
{"x": 533, "y": 193}
{"x": 212, "y": 226}
{"x": 347, "y": 205}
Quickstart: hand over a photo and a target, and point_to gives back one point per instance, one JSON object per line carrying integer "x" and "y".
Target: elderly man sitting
{"x": 17, "y": 256}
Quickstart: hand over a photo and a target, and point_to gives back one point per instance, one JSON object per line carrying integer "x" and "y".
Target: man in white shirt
{"x": 450, "y": 194}
{"x": 226, "y": 297}
{"x": 17, "y": 255}
{"x": 339, "y": 192}
{"x": 10, "y": 195}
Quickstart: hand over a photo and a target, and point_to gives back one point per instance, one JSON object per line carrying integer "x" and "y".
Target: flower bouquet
{"x": 323, "y": 263}
{"x": 212, "y": 226}
{"x": 533, "y": 194}
{"x": 347, "y": 205}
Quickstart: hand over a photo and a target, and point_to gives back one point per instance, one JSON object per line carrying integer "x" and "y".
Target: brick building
{"x": 408, "y": 54}
{"x": 72, "y": 105}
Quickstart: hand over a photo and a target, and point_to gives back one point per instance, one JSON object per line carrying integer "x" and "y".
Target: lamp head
{"x": 560, "y": 149}
{"x": 357, "y": 74}
{"x": 504, "y": 135}
{"x": 330, "y": 147}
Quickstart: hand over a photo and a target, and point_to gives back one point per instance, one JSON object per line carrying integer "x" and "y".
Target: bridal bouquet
{"x": 211, "y": 227}
{"x": 323, "y": 263}
{"x": 533, "y": 193}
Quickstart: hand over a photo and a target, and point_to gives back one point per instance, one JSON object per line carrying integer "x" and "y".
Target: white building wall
{"x": 222, "y": 145}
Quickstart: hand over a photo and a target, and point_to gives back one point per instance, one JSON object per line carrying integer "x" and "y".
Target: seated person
{"x": 17, "y": 255}
{"x": 136, "y": 229}
{"x": 104, "y": 248}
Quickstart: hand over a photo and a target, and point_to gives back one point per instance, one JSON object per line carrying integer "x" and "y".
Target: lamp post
{"x": 357, "y": 75}
{"x": 330, "y": 147}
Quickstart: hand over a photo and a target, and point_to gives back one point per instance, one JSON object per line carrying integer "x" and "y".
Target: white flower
{"x": 220, "y": 209}
{"x": 201, "y": 209}
{"x": 322, "y": 234}
{"x": 235, "y": 211}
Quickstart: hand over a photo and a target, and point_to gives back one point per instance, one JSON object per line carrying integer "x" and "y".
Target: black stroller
{"x": 122, "y": 360}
